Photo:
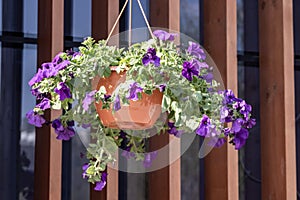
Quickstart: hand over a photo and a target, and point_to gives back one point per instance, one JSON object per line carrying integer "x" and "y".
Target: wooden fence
{"x": 220, "y": 39}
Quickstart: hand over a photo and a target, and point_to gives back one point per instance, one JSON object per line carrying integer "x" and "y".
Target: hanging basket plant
{"x": 114, "y": 91}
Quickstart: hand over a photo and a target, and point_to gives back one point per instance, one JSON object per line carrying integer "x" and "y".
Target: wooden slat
{"x": 104, "y": 14}
{"x": 165, "y": 183}
{"x": 220, "y": 40}
{"x": 277, "y": 99}
{"x": 48, "y": 150}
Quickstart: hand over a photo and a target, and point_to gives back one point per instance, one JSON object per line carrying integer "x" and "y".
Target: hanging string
{"x": 117, "y": 20}
{"x": 145, "y": 18}
{"x": 130, "y": 21}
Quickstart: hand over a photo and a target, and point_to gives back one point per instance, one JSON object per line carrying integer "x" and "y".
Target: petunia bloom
{"x": 63, "y": 91}
{"x": 226, "y": 114}
{"x": 62, "y": 65}
{"x": 84, "y": 168}
{"x": 196, "y": 50}
{"x": 250, "y": 123}
{"x": 151, "y": 57}
{"x": 208, "y": 77}
{"x": 216, "y": 142}
{"x": 149, "y": 157}
{"x": 237, "y": 125}
{"x": 101, "y": 184}
{"x": 48, "y": 70}
{"x": 44, "y": 104}
{"x": 117, "y": 103}
{"x": 228, "y": 97}
{"x": 35, "y": 119}
{"x": 173, "y": 130}
{"x": 189, "y": 70}
{"x": 204, "y": 127}
{"x": 38, "y": 77}
{"x": 63, "y": 133}
{"x": 89, "y": 98}
{"x": 57, "y": 59}
{"x": 240, "y": 138}
{"x": 134, "y": 90}
{"x": 162, "y": 87}
{"x": 164, "y": 36}
{"x": 127, "y": 153}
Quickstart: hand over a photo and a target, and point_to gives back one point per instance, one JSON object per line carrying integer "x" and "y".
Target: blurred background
{"x": 18, "y": 56}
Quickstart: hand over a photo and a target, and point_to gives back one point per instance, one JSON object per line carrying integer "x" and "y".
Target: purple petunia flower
{"x": 164, "y": 36}
{"x": 204, "y": 127}
{"x": 173, "y": 130}
{"x": 149, "y": 157}
{"x": 228, "y": 97}
{"x": 250, "y": 123}
{"x": 189, "y": 70}
{"x": 216, "y": 142}
{"x": 38, "y": 77}
{"x": 196, "y": 50}
{"x": 117, "y": 103}
{"x": 35, "y": 119}
{"x": 89, "y": 98}
{"x": 63, "y": 133}
{"x": 35, "y": 92}
{"x": 101, "y": 184}
{"x": 151, "y": 57}
{"x": 226, "y": 114}
{"x": 84, "y": 168}
{"x": 208, "y": 77}
{"x": 245, "y": 109}
{"x": 48, "y": 70}
{"x": 62, "y": 65}
{"x": 127, "y": 153}
{"x": 86, "y": 126}
{"x": 240, "y": 138}
{"x": 57, "y": 125}
{"x": 237, "y": 125}
{"x": 72, "y": 53}
{"x": 162, "y": 87}
{"x": 106, "y": 97}
{"x": 44, "y": 104}
{"x": 63, "y": 91}
{"x": 57, "y": 59}
{"x": 134, "y": 90}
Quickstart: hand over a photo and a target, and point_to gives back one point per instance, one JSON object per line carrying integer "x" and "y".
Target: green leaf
{"x": 166, "y": 101}
{"x": 107, "y": 72}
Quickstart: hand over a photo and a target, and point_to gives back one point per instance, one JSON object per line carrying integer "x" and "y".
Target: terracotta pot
{"x": 138, "y": 115}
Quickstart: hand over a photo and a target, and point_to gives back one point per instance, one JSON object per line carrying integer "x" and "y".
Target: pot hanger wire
{"x": 130, "y": 20}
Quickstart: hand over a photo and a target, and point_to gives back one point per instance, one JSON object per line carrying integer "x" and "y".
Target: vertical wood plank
{"x": 48, "y": 150}
{"x": 277, "y": 99}
{"x": 104, "y": 14}
{"x": 220, "y": 40}
{"x": 165, "y": 183}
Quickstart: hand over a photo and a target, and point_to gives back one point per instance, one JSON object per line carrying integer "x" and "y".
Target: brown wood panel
{"x": 165, "y": 183}
{"x": 104, "y": 15}
{"x": 277, "y": 99}
{"x": 48, "y": 150}
{"x": 220, "y": 40}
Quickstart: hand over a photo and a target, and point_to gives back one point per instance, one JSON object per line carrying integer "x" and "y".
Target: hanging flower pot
{"x": 139, "y": 114}
{"x": 149, "y": 78}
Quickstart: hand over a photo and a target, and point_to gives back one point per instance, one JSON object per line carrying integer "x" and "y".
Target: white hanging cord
{"x": 145, "y": 18}
{"x": 130, "y": 22}
{"x": 114, "y": 26}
